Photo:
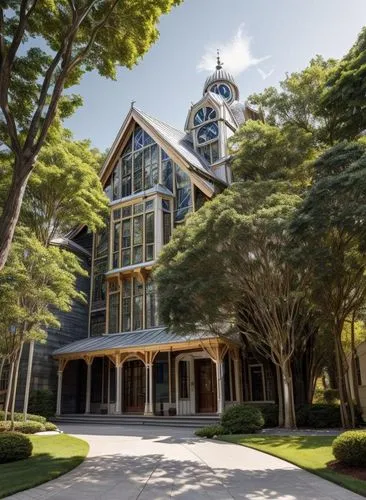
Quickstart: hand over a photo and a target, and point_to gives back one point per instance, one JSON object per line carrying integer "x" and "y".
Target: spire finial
{"x": 219, "y": 63}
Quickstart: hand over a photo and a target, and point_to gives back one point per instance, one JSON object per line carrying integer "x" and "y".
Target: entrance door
{"x": 134, "y": 387}
{"x": 206, "y": 392}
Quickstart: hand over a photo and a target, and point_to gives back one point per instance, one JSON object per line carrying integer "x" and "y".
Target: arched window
{"x": 223, "y": 90}
{"x": 207, "y": 133}
{"x": 204, "y": 115}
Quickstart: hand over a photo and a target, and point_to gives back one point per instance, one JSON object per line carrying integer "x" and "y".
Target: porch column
{"x": 118, "y": 365}
{"x": 237, "y": 375}
{"x": 89, "y": 362}
{"x": 220, "y": 386}
{"x": 149, "y": 405}
{"x": 61, "y": 366}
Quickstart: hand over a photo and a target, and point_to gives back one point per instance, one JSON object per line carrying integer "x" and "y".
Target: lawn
{"x": 51, "y": 457}
{"x": 309, "y": 452}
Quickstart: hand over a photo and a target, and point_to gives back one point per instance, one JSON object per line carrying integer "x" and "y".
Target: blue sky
{"x": 260, "y": 41}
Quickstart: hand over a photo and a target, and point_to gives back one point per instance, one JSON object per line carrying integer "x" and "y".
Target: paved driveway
{"x": 155, "y": 463}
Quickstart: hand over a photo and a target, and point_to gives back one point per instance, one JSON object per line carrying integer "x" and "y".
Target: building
{"x": 128, "y": 362}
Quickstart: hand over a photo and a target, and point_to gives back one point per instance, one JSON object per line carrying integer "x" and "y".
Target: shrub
{"x": 331, "y": 396}
{"x": 269, "y": 412}
{"x": 242, "y": 419}
{"x": 23, "y": 427}
{"x": 19, "y": 417}
{"x": 42, "y": 402}
{"x": 318, "y": 416}
{"x": 210, "y": 431}
{"x": 350, "y": 448}
{"x": 14, "y": 446}
{"x": 49, "y": 426}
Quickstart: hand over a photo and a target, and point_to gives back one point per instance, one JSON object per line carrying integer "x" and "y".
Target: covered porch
{"x": 151, "y": 372}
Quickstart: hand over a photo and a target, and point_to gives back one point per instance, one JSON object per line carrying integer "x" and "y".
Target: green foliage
{"x": 344, "y": 93}
{"x": 19, "y": 417}
{"x": 28, "y": 427}
{"x": 43, "y": 402}
{"x": 331, "y": 396}
{"x": 297, "y": 103}
{"x": 64, "y": 189}
{"x": 14, "y": 446}
{"x": 319, "y": 416}
{"x": 350, "y": 448}
{"x": 242, "y": 419}
{"x": 210, "y": 431}
{"x": 269, "y": 412}
{"x": 49, "y": 426}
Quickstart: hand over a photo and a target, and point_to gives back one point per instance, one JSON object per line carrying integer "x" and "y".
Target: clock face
{"x": 222, "y": 89}
{"x": 208, "y": 132}
{"x": 204, "y": 115}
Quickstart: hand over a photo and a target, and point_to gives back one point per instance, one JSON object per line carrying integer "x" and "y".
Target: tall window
{"x": 167, "y": 221}
{"x": 138, "y": 291}
{"x": 114, "y": 307}
{"x": 133, "y": 234}
{"x": 151, "y": 304}
{"x": 183, "y": 200}
{"x": 100, "y": 268}
{"x": 126, "y": 305}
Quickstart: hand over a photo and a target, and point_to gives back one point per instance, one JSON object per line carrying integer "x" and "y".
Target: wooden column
{"x": 118, "y": 365}
{"x": 61, "y": 366}
{"x": 149, "y": 366}
{"x": 89, "y": 362}
{"x": 220, "y": 386}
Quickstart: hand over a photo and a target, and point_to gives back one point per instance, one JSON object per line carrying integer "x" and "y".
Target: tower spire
{"x": 219, "y": 63}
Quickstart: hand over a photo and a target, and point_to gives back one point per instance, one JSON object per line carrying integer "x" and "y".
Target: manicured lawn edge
{"x": 52, "y": 457}
{"x": 348, "y": 482}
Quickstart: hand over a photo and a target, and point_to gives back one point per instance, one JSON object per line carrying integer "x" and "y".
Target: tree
{"x": 344, "y": 93}
{"x": 226, "y": 271}
{"x": 78, "y": 37}
{"x": 64, "y": 190}
{"x": 330, "y": 238}
{"x": 35, "y": 279}
{"x": 298, "y": 103}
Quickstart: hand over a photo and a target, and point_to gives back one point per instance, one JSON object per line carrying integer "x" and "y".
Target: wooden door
{"x": 134, "y": 387}
{"x": 206, "y": 393}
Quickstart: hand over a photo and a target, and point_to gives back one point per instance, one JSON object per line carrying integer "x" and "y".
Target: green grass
{"x": 51, "y": 457}
{"x": 309, "y": 452}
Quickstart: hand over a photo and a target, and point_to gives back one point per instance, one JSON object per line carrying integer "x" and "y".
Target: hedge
{"x": 210, "y": 431}
{"x": 350, "y": 448}
{"x": 43, "y": 402}
{"x": 242, "y": 419}
{"x": 29, "y": 427}
{"x": 19, "y": 417}
{"x": 14, "y": 446}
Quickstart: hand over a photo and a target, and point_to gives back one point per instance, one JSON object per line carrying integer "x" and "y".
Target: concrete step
{"x": 176, "y": 421}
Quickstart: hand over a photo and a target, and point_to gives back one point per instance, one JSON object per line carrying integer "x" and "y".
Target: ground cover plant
{"x": 52, "y": 456}
{"x": 312, "y": 453}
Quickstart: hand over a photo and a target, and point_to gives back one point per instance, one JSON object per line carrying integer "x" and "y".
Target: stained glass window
{"x": 222, "y": 89}
{"x": 207, "y": 132}
{"x": 204, "y": 115}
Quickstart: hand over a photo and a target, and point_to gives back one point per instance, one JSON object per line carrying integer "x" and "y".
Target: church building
{"x": 125, "y": 360}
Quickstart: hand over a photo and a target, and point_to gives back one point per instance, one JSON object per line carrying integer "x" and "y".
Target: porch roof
{"x": 136, "y": 339}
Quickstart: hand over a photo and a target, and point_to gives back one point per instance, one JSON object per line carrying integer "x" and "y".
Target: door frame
{"x": 190, "y": 408}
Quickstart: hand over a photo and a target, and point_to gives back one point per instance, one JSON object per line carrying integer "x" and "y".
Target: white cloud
{"x": 235, "y": 54}
{"x": 265, "y": 75}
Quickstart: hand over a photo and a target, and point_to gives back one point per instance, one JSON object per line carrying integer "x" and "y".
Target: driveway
{"x": 156, "y": 463}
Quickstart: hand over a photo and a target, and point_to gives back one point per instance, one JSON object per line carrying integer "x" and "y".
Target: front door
{"x": 206, "y": 393}
{"x": 134, "y": 387}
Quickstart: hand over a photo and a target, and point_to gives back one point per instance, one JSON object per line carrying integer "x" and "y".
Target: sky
{"x": 260, "y": 41}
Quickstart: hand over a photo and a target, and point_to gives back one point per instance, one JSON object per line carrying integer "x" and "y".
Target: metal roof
{"x": 156, "y": 336}
{"x": 181, "y": 142}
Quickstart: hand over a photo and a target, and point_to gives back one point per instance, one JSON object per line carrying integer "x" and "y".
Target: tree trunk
{"x": 355, "y": 388}
{"x": 288, "y": 398}
{"x": 2, "y": 367}
{"x": 281, "y": 420}
{"x": 12, "y": 206}
{"x": 9, "y": 390}
{"x": 28, "y": 380}
{"x": 344, "y": 396}
{"x": 15, "y": 384}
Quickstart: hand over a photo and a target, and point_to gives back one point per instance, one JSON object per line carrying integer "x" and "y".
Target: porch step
{"x": 193, "y": 421}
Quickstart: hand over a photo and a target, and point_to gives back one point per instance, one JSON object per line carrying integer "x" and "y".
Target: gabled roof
{"x": 180, "y": 142}
{"x": 215, "y": 99}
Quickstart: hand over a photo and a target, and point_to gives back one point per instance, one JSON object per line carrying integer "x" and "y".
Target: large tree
{"x": 226, "y": 271}
{"x": 330, "y": 239}
{"x": 45, "y": 48}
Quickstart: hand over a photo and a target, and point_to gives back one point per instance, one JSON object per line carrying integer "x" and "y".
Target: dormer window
{"x": 207, "y": 133}
{"x": 204, "y": 115}
{"x": 223, "y": 90}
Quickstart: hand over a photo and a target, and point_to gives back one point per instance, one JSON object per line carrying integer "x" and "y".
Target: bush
{"x": 49, "y": 426}
{"x": 14, "y": 446}
{"x": 210, "y": 431}
{"x": 19, "y": 417}
{"x": 331, "y": 396}
{"x": 318, "y": 416}
{"x": 242, "y": 419}
{"x": 43, "y": 403}
{"x": 350, "y": 448}
{"x": 269, "y": 412}
{"x": 23, "y": 427}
